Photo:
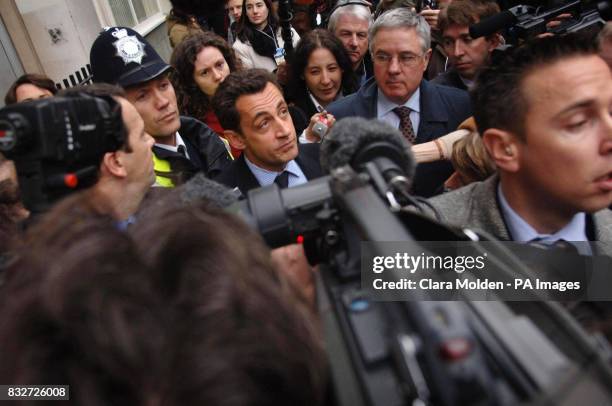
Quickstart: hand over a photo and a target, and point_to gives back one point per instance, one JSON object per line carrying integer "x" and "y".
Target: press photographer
{"x": 88, "y": 138}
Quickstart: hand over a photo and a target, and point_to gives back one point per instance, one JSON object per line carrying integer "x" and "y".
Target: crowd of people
{"x": 138, "y": 290}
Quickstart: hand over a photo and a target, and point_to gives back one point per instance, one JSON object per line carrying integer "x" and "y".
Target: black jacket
{"x": 450, "y": 78}
{"x": 207, "y": 153}
{"x": 239, "y": 175}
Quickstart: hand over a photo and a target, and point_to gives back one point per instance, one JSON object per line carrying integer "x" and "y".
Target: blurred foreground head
{"x": 185, "y": 311}
{"x": 243, "y": 334}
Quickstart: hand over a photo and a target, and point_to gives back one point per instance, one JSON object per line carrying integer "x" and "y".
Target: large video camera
{"x": 522, "y": 22}
{"x": 57, "y": 144}
{"x": 418, "y": 352}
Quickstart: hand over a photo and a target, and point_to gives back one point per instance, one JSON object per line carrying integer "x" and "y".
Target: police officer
{"x": 183, "y": 145}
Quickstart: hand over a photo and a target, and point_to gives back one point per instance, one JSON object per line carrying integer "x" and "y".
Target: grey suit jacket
{"x": 475, "y": 206}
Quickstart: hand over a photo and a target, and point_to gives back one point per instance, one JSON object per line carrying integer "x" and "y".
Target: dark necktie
{"x": 181, "y": 150}
{"x": 405, "y": 127}
{"x": 559, "y": 244}
{"x": 282, "y": 180}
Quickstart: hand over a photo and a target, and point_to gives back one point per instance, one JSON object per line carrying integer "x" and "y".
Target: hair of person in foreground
{"x": 186, "y": 309}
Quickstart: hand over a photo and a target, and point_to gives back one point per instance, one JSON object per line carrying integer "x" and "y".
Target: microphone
{"x": 200, "y": 187}
{"x": 356, "y": 141}
{"x": 500, "y": 21}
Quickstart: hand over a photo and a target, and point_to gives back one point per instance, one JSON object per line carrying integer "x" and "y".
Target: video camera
{"x": 57, "y": 144}
{"x": 522, "y": 22}
{"x": 419, "y": 352}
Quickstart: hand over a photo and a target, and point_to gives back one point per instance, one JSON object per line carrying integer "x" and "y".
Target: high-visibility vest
{"x": 163, "y": 172}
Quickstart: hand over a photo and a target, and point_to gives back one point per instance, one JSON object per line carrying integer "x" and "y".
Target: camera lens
{"x": 12, "y": 133}
{"x": 8, "y": 136}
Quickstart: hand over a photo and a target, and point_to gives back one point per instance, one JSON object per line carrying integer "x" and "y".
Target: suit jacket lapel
{"x": 367, "y": 100}
{"x": 602, "y": 221}
{"x": 433, "y": 117}
{"x": 245, "y": 180}
{"x": 485, "y": 210}
{"x": 310, "y": 168}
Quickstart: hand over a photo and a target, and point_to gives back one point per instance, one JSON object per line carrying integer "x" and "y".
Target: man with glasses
{"x": 400, "y": 48}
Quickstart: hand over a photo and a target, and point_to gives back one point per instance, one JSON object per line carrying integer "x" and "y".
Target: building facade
{"x": 53, "y": 37}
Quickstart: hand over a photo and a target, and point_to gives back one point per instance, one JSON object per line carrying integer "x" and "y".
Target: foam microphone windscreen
{"x": 200, "y": 187}
{"x": 350, "y": 136}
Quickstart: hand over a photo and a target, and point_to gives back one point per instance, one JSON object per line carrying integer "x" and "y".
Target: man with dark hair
{"x": 99, "y": 324}
{"x": 30, "y": 86}
{"x": 551, "y": 143}
{"x": 124, "y": 175}
{"x": 183, "y": 145}
{"x": 256, "y": 119}
{"x": 400, "y": 48}
{"x": 466, "y": 55}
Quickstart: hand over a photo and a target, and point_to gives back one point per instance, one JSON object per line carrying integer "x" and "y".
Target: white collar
{"x": 174, "y": 148}
{"x": 385, "y": 105}
{"x": 521, "y": 231}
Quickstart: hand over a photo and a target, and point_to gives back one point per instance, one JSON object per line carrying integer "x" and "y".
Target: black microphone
{"x": 200, "y": 187}
{"x": 356, "y": 141}
{"x": 493, "y": 24}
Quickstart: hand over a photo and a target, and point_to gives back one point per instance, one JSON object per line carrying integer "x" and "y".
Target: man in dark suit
{"x": 252, "y": 110}
{"x": 552, "y": 146}
{"x": 400, "y": 48}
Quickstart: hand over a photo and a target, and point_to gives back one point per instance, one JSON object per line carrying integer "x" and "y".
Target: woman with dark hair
{"x": 201, "y": 62}
{"x": 30, "y": 86}
{"x": 320, "y": 73}
{"x": 188, "y": 17}
{"x": 182, "y": 21}
{"x": 259, "y": 43}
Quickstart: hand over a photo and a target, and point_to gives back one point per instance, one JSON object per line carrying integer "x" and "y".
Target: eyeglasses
{"x": 342, "y": 3}
{"x": 406, "y": 60}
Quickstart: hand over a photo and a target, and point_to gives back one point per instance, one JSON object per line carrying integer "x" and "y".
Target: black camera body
{"x": 522, "y": 22}
{"x": 57, "y": 144}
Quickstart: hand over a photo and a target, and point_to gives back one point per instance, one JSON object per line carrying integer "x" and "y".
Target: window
{"x": 137, "y": 14}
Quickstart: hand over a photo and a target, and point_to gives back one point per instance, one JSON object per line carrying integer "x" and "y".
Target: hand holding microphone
{"x": 320, "y": 123}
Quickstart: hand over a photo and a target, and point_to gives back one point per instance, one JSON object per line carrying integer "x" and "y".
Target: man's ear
{"x": 493, "y": 42}
{"x": 112, "y": 162}
{"x": 503, "y": 148}
{"x": 235, "y": 139}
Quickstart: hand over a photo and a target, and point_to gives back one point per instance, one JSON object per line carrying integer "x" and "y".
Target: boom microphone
{"x": 493, "y": 24}
{"x": 356, "y": 141}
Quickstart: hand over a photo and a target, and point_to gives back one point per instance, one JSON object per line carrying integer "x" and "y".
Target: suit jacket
{"x": 239, "y": 175}
{"x": 442, "y": 110}
{"x": 476, "y": 206}
{"x": 450, "y": 78}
